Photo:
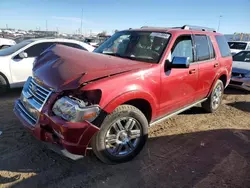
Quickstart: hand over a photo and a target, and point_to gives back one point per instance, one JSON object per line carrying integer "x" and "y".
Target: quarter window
{"x": 223, "y": 46}
{"x": 202, "y": 47}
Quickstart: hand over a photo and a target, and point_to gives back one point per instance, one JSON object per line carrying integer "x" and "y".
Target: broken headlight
{"x": 75, "y": 110}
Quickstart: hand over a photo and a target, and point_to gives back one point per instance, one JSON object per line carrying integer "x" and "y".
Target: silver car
{"x": 241, "y": 70}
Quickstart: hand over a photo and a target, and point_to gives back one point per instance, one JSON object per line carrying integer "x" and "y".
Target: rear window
{"x": 223, "y": 46}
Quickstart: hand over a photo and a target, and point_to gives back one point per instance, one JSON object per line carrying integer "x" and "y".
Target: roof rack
{"x": 186, "y": 27}
{"x": 198, "y": 28}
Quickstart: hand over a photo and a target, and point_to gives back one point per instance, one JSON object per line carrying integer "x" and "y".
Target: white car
{"x": 238, "y": 46}
{"x": 16, "y": 62}
{"x": 241, "y": 70}
{"x": 5, "y": 43}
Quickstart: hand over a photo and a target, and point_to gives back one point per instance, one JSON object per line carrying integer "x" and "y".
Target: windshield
{"x": 137, "y": 45}
{"x": 242, "y": 56}
{"x": 237, "y": 45}
{"x": 12, "y": 49}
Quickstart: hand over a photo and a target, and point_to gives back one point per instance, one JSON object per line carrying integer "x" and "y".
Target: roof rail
{"x": 198, "y": 28}
{"x": 143, "y": 27}
{"x": 186, "y": 27}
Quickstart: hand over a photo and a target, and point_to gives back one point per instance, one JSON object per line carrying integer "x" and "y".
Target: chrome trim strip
{"x": 23, "y": 110}
{"x": 43, "y": 96}
{"x": 34, "y": 95}
{"x": 33, "y": 82}
{"x": 175, "y": 113}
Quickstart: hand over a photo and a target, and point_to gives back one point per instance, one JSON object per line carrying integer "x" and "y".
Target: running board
{"x": 175, "y": 113}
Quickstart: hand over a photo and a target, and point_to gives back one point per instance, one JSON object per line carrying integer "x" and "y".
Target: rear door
{"x": 208, "y": 64}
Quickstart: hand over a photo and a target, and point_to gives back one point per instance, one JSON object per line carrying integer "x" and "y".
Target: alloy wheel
{"x": 123, "y": 136}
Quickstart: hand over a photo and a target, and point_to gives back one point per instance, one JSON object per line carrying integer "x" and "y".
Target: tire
{"x": 215, "y": 97}
{"x": 3, "y": 85}
{"x": 115, "y": 144}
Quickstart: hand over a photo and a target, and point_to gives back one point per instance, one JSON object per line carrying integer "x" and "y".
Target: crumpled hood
{"x": 65, "y": 68}
{"x": 241, "y": 67}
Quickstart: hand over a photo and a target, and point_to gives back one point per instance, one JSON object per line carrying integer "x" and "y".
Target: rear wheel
{"x": 3, "y": 85}
{"x": 4, "y": 46}
{"x": 215, "y": 98}
{"x": 122, "y": 135}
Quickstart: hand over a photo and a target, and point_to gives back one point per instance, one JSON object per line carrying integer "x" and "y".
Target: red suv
{"x": 108, "y": 99}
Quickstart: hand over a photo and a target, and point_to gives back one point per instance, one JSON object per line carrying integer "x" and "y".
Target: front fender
{"x": 110, "y": 106}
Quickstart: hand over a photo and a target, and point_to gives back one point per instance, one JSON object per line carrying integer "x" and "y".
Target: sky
{"x": 109, "y": 15}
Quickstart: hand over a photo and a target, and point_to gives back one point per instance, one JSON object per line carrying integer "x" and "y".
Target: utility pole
{"x": 81, "y": 21}
{"x": 219, "y": 23}
{"x": 6, "y": 26}
{"x": 46, "y": 25}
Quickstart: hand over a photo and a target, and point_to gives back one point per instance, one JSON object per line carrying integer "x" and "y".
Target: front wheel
{"x": 3, "y": 85}
{"x": 215, "y": 98}
{"x": 122, "y": 135}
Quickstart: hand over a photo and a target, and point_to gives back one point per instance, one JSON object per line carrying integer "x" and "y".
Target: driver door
{"x": 21, "y": 68}
{"x": 179, "y": 85}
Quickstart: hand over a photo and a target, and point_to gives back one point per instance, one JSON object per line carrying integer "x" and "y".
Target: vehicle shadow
{"x": 243, "y": 106}
{"x": 215, "y": 158}
{"x": 233, "y": 91}
{"x": 10, "y": 94}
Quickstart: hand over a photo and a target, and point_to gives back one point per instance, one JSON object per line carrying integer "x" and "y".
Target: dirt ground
{"x": 193, "y": 149}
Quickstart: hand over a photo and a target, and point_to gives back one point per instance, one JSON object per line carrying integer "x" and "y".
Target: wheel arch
{"x": 220, "y": 76}
{"x": 138, "y": 99}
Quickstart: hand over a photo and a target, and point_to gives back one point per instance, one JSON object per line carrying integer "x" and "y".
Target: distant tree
{"x": 116, "y": 30}
{"x": 103, "y": 33}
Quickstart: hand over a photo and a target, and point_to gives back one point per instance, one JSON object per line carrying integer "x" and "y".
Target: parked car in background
{"x": 241, "y": 70}
{"x": 5, "y": 43}
{"x": 237, "y": 46}
{"x": 16, "y": 62}
{"x": 108, "y": 99}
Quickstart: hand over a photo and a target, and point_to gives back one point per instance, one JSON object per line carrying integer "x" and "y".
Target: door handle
{"x": 192, "y": 71}
{"x": 216, "y": 64}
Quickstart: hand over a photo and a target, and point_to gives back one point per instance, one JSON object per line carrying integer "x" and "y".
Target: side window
{"x": 223, "y": 46}
{"x": 201, "y": 47}
{"x": 37, "y": 49}
{"x": 183, "y": 47}
{"x": 73, "y": 45}
{"x": 211, "y": 48}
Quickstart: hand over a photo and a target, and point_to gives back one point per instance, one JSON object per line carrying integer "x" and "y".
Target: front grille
{"x": 32, "y": 100}
{"x": 236, "y": 83}
{"x": 37, "y": 92}
{"x": 25, "y": 114}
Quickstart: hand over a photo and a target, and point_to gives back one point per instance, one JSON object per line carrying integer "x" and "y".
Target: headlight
{"x": 75, "y": 110}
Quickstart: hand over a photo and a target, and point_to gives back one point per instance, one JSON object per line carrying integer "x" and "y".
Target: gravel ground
{"x": 193, "y": 149}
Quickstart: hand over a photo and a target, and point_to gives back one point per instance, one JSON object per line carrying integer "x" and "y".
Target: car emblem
{"x": 34, "y": 88}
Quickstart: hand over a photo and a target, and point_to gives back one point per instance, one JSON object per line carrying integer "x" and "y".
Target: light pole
{"x": 81, "y": 21}
{"x": 219, "y": 23}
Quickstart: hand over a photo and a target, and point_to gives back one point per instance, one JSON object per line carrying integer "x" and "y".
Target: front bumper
{"x": 71, "y": 136}
{"x": 240, "y": 82}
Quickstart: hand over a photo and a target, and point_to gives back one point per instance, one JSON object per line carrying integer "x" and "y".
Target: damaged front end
{"x": 61, "y": 118}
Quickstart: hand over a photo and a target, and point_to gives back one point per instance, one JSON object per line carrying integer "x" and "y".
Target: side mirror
{"x": 178, "y": 63}
{"x": 23, "y": 55}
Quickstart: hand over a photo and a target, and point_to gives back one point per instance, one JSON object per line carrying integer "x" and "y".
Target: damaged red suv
{"x": 107, "y": 100}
